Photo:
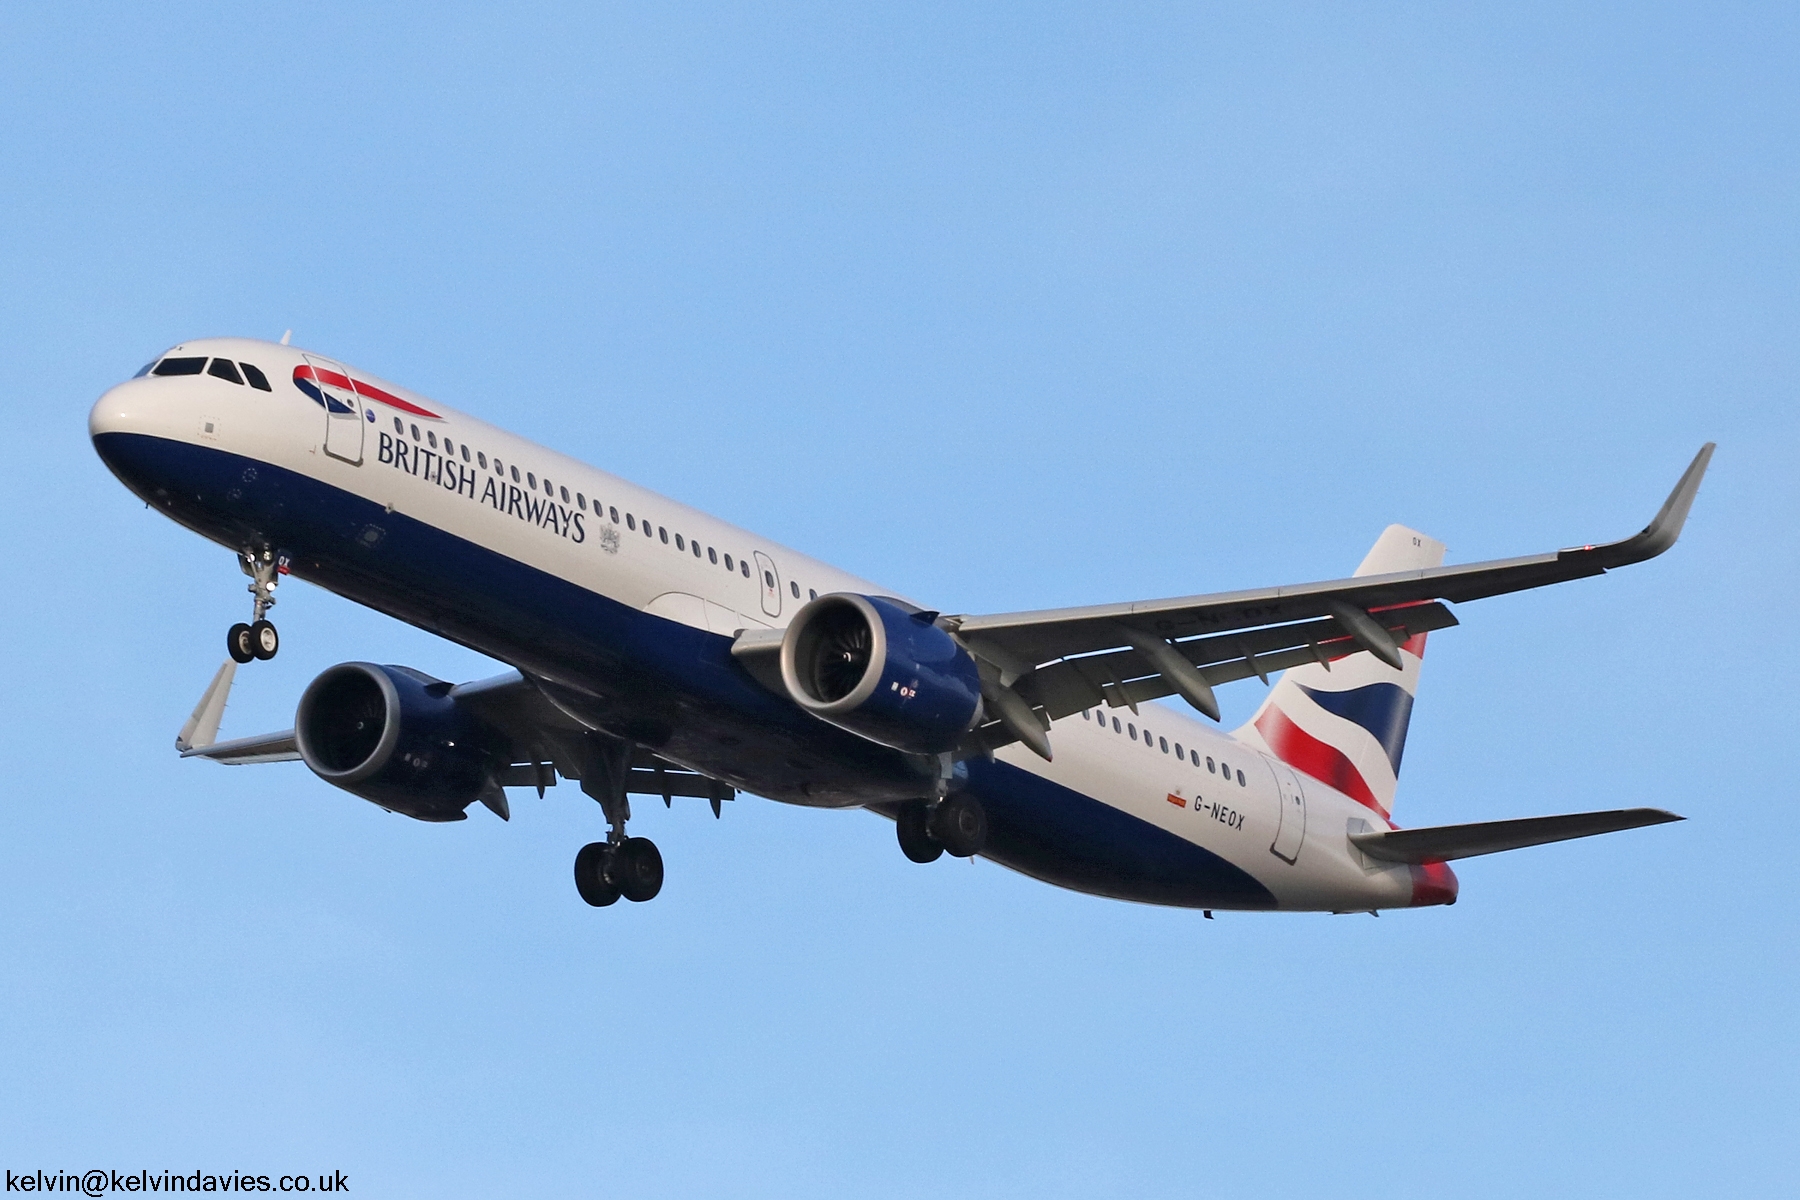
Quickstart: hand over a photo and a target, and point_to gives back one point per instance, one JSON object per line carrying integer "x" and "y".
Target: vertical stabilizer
{"x": 1346, "y": 726}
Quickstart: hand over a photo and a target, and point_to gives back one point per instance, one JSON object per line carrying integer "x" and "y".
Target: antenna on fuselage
{"x": 286, "y": 336}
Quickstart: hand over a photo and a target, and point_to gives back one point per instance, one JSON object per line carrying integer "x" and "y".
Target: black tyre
{"x": 264, "y": 641}
{"x": 637, "y": 869}
{"x": 590, "y": 875}
{"x": 912, "y": 824}
{"x": 960, "y": 825}
{"x": 237, "y": 643}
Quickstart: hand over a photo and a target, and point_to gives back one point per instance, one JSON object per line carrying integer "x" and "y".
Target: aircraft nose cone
{"x": 119, "y": 410}
{"x": 124, "y": 426}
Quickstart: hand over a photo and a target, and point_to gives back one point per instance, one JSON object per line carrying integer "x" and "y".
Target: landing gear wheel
{"x": 590, "y": 875}
{"x": 264, "y": 641}
{"x": 238, "y": 644}
{"x": 960, "y": 825}
{"x": 912, "y": 824}
{"x": 637, "y": 869}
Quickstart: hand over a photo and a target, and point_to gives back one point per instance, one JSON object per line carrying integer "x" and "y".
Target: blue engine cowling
{"x": 397, "y": 737}
{"x": 878, "y": 669}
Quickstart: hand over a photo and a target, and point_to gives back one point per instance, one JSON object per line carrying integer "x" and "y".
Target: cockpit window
{"x": 224, "y": 368}
{"x": 180, "y": 366}
{"x": 145, "y": 369}
{"x": 257, "y": 379}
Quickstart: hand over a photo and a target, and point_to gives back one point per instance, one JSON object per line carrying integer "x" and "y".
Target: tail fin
{"x": 1345, "y": 725}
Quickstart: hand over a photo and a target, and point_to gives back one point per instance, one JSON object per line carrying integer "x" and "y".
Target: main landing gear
{"x": 955, "y": 823}
{"x": 631, "y": 867}
{"x": 258, "y": 639}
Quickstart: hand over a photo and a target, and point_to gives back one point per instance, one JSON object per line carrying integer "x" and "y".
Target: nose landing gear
{"x": 258, "y": 639}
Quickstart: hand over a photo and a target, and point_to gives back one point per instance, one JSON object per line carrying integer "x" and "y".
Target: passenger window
{"x": 415, "y": 433}
{"x": 580, "y": 501}
{"x": 1180, "y": 753}
{"x": 531, "y": 481}
{"x": 465, "y": 451}
{"x": 1225, "y": 770}
{"x": 399, "y": 426}
{"x": 1164, "y": 743}
{"x": 565, "y": 496}
{"x": 548, "y": 490}
{"x": 432, "y": 438}
{"x": 615, "y": 515}
{"x": 1116, "y": 728}
{"x": 712, "y": 556}
{"x": 482, "y": 459}
{"x": 1195, "y": 755}
{"x": 257, "y": 379}
{"x": 1241, "y": 779}
{"x": 768, "y": 579}
{"x": 449, "y": 446}
{"x": 794, "y": 588}
{"x": 631, "y": 522}
{"x": 1084, "y": 715}
{"x": 649, "y": 532}
{"x": 811, "y": 594}
{"x": 224, "y": 368}
{"x": 679, "y": 544}
{"x": 744, "y": 567}
{"x": 1210, "y": 769}
{"x": 728, "y": 563}
{"x": 663, "y": 533}
{"x": 515, "y": 474}
{"x": 695, "y": 546}
{"x": 180, "y": 366}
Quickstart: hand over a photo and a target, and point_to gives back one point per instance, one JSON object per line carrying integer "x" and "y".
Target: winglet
{"x": 1661, "y": 533}
{"x": 202, "y": 728}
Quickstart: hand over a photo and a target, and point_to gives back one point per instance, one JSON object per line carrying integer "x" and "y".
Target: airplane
{"x": 658, "y": 651}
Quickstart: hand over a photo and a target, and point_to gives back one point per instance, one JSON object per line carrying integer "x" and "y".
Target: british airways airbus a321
{"x": 659, "y": 651}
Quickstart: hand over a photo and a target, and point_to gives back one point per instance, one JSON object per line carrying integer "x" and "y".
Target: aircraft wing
{"x": 543, "y": 737}
{"x": 1059, "y": 661}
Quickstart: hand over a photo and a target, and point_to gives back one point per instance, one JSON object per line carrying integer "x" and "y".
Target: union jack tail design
{"x": 1346, "y": 726}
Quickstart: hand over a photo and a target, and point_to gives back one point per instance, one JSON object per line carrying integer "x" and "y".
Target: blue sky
{"x": 1005, "y": 307}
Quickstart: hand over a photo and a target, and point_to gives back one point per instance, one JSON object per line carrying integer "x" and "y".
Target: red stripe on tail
{"x": 1304, "y": 752}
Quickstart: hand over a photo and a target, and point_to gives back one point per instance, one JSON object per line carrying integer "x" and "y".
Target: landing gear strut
{"x": 955, "y": 823}
{"x": 258, "y": 639}
{"x": 631, "y": 867}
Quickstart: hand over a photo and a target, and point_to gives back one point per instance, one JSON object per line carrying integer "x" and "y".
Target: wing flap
{"x": 1440, "y": 843}
{"x": 1126, "y": 678}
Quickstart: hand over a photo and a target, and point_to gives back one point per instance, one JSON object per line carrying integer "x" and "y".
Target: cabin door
{"x": 343, "y": 408}
{"x": 1292, "y": 828}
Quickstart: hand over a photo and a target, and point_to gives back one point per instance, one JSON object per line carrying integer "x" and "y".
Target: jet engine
{"x": 397, "y": 737}
{"x": 880, "y": 670}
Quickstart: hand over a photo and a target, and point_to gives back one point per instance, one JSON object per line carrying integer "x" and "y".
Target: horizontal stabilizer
{"x": 263, "y": 748}
{"x": 1439, "y": 843}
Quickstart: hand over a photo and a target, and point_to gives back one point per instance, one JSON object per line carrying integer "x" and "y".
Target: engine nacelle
{"x": 395, "y": 736}
{"x": 868, "y": 665}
